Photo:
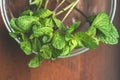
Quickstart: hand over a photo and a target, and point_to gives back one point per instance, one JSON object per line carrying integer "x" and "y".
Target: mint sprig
{"x": 103, "y": 29}
{"x": 40, "y": 31}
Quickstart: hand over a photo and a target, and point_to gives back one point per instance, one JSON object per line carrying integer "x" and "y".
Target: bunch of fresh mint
{"x": 41, "y": 32}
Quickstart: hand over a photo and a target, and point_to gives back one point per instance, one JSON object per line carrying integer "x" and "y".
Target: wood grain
{"x": 100, "y": 64}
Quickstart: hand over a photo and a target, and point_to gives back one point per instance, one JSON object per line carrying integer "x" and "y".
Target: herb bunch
{"x": 40, "y": 31}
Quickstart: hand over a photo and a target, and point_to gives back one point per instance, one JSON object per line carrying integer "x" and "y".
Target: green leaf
{"x": 91, "y": 31}
{"x": 87, "y": 40}
{"x": 25, "y": 22}
{"x": 114, "y": 31}
{"x": 47, "y": 22}
{"x": 37, "y": 3}
{"x": 46, "y": 52}
{"x": 14, "y": 34}
{"x": 110, "y": 37}
{"x": 72, "y": 44}
{"x": 73, "y": 27}
{"x": 13, "y": 25}
{"x": 104, "y": 29}
{"x": 40, "y": 31}
{"x": 27, "y": 13}
{"x": 26, "y": 47}
{"x": 23, "y": 37}
{"x": 55, "y": 53}
{"x": 45, "y": 39}
{"x": 68, "y": 36}
{"x": 36, "y": 45}
{"x": 65, "y": 51}
{"x": 43, "y": 13}
{"x": 58, "y": 40}
{"x": 59, "y": 24}
{"x": 36, "y": 61}
{"x": 100, "y": 22}
{"x": 102, "y": 19}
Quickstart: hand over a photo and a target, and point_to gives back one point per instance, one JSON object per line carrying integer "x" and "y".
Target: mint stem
{"x": 46, "y": 4}
{"x": 59, "y": 5}
{"x": 75, "y": 3}
{"x": 65, "y": 9}
{"x": 81, "y": 12}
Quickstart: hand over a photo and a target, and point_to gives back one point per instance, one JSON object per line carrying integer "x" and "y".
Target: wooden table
{"x": 100, "y": 64}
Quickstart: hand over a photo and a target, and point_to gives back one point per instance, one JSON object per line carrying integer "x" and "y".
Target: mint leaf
{"x": 43, "y": 13}
{"x": 91, "y": 31}
{"x": 46, "y": 51}
{"x": 59, "y": 24}
{"x": 55, "y": 53}
{"x": 14, "y": 34}
{"x": 40, "y": 31}
{"x": 36, "y": 44}
{"x": 25, "y": 22}
{"x": 36, "y": 2}
{"x": 102, "y": 19}
{"x": 47, "y": 22}
{"x": 36, "y": 61}
{"x": 73, "y": 27}
{"x": 27, "y": 13}
{"x": 46, "y": 39}
{"x": 110, "y": 37}
{"x": 71, "y": 40}
{"x": 87, "y": 40}
{"x": 68, "y": 36}
{"x": 65, "y": 51}
{"x": 58, "y": 40}
{"x": 100, "y": 22}
{"x": 104, "y": 29}
{"x": 72, "y": 44}
{"x": 26, "y": 47}
{"x": 14, "y": 26}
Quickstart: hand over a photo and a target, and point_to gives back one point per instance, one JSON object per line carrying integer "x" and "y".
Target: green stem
{"x": 46, "y": 4}
{"x": 75, "y": 3}
{"x": 65, "y": 9}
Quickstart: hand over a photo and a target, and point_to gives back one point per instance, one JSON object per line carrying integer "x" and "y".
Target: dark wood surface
{"x": 100, "y": 64}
